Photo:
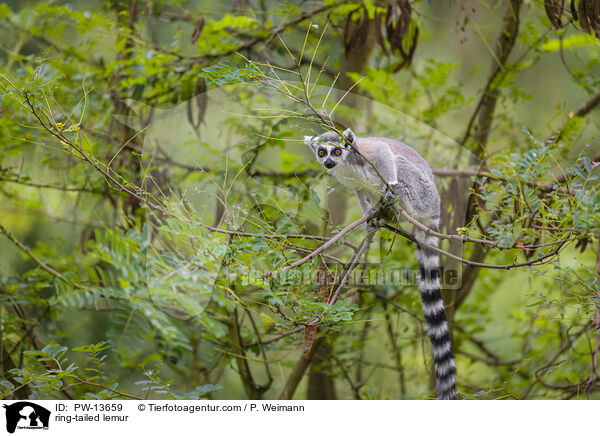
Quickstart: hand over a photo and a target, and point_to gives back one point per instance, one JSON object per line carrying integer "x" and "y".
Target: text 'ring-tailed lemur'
{"x": 380, "y": 167}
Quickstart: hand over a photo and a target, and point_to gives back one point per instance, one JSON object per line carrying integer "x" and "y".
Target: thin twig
{"x": 539, "y": 259}
{"x": 123, "y": 394}
{"x": 36, "y": 259}
{"x": 357, "y": 256}
{"x": 597, "y": 326}
{"x": 329, "y": 243}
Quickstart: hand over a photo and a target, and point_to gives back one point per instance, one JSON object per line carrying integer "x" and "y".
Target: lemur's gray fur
{"x": 409, "y": 179}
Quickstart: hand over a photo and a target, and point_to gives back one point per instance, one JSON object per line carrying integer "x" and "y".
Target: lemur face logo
{"x": 26, "y": 415}
{"x": 329, "y": 148}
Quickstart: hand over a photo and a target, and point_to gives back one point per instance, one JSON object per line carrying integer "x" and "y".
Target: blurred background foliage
{"x": 152, "y": 171}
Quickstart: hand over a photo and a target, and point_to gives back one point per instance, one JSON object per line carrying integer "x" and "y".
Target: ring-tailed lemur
{"x": 409, "y": 179}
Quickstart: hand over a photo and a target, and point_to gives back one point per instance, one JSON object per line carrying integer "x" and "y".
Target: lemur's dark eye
{"x": 337, "y": 151}
{"x": 321, "y": 153}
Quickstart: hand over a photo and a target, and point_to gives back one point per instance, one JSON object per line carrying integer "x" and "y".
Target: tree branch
{"x": 299, "y": 369}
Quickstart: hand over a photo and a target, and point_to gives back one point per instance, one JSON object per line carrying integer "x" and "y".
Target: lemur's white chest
{"x": 355, "y": 176}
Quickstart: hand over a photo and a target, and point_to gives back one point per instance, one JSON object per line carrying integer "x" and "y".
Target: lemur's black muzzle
{"x": 329, "y": 164}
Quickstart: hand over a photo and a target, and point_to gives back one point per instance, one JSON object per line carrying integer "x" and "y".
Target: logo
{"x": 26, "y": 415}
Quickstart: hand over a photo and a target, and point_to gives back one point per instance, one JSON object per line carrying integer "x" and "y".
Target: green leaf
{"x": 571, "y": 41}
{"x": 7, "y": 384}
{"x": 4, "y": 11}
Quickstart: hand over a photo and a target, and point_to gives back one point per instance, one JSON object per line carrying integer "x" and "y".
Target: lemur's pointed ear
{"x": 308, "y": 141}
{"x": 349, "y": 135}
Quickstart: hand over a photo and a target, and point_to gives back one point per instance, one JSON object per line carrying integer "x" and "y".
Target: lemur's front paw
{"x": 395, "y": 187}
{"x": 372, "y": 225}
{"x": 389, "y": 194}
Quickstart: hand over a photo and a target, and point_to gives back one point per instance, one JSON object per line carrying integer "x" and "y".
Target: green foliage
{"x": 222, "y": 74}
{"x": 155, "y": 187}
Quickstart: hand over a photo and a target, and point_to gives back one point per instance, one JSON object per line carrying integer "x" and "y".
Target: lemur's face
{"x": 329, "y": 148}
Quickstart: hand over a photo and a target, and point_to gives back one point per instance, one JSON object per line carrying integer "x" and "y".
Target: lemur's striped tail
{"x": 435, "y": 316}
